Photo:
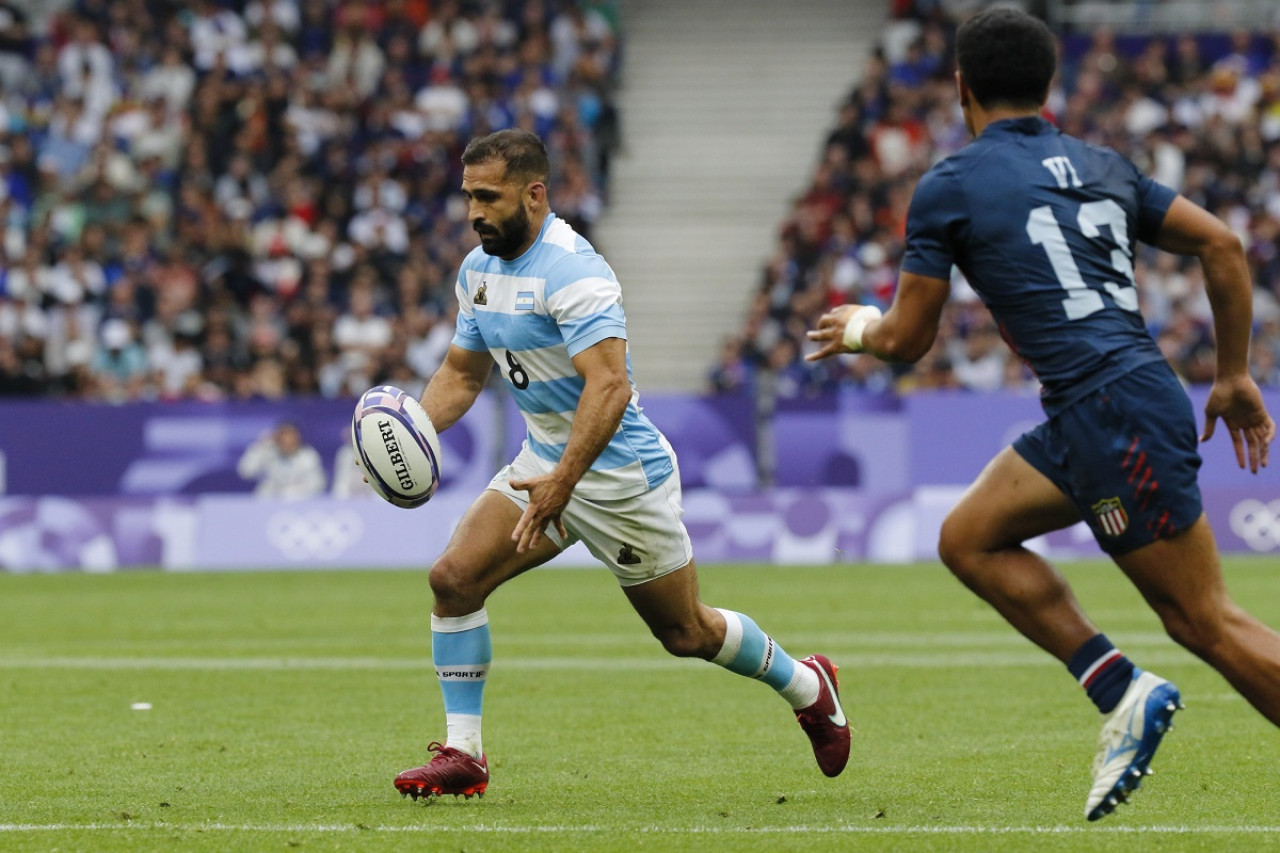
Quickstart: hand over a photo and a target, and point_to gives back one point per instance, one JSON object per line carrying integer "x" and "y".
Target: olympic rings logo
{"x": 314, "y": 533}
{"x": 1257, "y": 523}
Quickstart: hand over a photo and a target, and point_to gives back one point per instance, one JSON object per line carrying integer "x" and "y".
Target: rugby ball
{"x": 397, "y": 446}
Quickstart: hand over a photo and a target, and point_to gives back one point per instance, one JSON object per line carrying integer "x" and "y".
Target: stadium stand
{"x": 255, "y": 198}
{"x": 723, "y": 101}
{"x": 234, "y": 199}
{"x": 1199, "y": 111}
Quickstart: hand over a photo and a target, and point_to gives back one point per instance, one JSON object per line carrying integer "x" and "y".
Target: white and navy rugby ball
{"x": 397, "y": 446}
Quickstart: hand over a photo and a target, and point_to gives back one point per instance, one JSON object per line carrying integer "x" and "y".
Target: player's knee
{"x": 451, "y": 583}
{"x": 954, "y": 546}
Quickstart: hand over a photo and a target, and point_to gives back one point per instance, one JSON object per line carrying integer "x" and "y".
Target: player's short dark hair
{"x": 523, "y": 152}
{"x": 1007, "y": 58}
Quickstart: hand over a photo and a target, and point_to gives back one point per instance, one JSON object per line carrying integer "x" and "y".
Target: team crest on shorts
{"x": 1111, "y": 516}
{"x": 480, "y": 297}
{"x": 627, "y": 556}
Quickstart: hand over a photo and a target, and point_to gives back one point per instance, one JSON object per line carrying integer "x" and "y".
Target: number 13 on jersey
{"x": 1083, "y": 300}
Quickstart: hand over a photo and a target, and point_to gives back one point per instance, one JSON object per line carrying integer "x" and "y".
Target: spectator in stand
{"x": 348, "y": 476}
{"x": 120, "y": 366}
{"x": 733, "y": 372}
{"x": 214, "y": 33}
{"x": 15, "y": 46}
{"x": 361, "y": 334}
{"x": 284, "y": 466}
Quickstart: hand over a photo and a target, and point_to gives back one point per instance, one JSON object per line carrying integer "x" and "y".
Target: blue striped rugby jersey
{"x": 533, "y": 314}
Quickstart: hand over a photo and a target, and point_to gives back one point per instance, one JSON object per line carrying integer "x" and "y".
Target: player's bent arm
{"x": 456, "y": 385}
{"x": 907, "y": 330}
{"x": 905, "y": 333}
{"x": 1189, "y": 229}
{"x": 605, "y": 395}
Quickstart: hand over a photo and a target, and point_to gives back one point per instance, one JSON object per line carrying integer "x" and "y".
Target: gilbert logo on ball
{"x": 397, "y": 446}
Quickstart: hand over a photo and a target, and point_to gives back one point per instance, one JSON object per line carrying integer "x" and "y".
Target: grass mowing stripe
{"x": 654, "y": 830}
{"x": 1031, "y": 658}
{"x": 1002, "y": 639}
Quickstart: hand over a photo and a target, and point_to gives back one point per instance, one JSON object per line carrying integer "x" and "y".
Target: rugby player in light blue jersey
{"x": 1043, "y": 227}
{"x": 535, "y": 298}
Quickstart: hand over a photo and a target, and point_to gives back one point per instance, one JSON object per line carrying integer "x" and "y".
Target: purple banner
{"x": 190, "y": 448}
{"x": 99, "y": 487}
{"x": 877, "y": 445}
{"x": 953, "y": 434}
{"x": 51, "y": 534}
{"x": 781, "y": 526}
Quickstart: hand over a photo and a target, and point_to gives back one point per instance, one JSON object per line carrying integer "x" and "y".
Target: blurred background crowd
{"x": 258, "y": 198}
{"x": 1198, "y": 113}
{"x": 214, "y": 199}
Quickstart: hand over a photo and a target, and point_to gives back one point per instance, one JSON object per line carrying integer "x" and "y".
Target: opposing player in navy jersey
{"x": 1043, "y": 227}
{"x": 535, "y": 298}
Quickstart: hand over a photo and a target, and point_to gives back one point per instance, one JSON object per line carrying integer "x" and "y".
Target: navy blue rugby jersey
{"x": 1042, "y": 225}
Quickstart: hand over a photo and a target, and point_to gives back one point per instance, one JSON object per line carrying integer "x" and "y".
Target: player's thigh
{"x": 481, "y": 555}
{"x": 640, "y": 538}
{"x": 1180, "y": 576}
{"x": 1009, "y": 503}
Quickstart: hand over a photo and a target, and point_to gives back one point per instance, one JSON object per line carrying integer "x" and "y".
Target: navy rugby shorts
{"x": 1127, "y": 456}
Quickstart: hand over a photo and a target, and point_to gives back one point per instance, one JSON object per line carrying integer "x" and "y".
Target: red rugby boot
{"x": 450, "y": 771}
{"x": 824, "y": 721}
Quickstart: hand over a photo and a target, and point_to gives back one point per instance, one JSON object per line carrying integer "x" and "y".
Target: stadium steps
{"x": 724, "y": 105}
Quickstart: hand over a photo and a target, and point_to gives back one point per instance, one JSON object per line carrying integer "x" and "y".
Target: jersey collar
{"x": 1022, "y": 126}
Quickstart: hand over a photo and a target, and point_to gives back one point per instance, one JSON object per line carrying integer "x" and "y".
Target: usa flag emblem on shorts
{"x": 1111, "y": 516}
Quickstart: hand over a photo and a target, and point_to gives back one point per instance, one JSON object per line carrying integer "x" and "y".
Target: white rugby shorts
{"x": 639, "y": 538}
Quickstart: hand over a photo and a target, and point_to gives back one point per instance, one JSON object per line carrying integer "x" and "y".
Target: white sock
{"x": 803, "y": 688}
{"x": 463, "y": 732}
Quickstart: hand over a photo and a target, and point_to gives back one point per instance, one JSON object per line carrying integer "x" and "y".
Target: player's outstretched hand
{"x": 548, "y": 496}
{"x": 830, "y": 332}
{"x": 1239, "y": 403}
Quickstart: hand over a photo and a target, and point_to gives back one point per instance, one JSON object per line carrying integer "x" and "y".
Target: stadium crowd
{"x": 252, "y": 198}
{"x": 1199, "y": 113}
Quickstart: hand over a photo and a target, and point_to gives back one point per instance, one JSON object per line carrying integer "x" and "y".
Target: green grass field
{"x": 284, "y": 703}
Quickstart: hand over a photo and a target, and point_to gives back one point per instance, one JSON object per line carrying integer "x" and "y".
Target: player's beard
{"x": 504, "y": 239}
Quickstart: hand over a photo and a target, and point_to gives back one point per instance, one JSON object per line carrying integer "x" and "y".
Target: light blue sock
{"x": 462, "y": 651}
{"x": 749, "y": 651}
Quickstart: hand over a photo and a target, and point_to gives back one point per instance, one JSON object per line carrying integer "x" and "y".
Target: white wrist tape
{"x": 857, "y": 325}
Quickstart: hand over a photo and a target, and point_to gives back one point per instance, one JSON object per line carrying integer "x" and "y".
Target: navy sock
{"x": 1102, "y": 671}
